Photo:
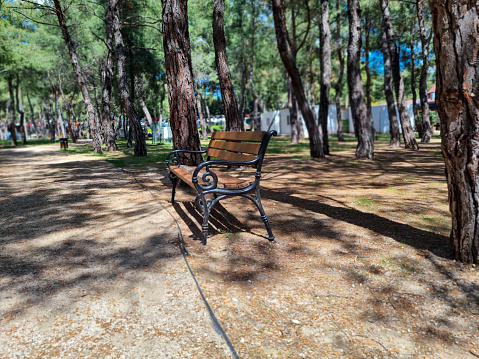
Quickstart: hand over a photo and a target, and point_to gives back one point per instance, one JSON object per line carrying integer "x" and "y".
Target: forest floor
{"x": 90, "y": 265}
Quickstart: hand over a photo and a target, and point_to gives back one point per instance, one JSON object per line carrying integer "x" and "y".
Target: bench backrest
{"x": 235, "y": 146}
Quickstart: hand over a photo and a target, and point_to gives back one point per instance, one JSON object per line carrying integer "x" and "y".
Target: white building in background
{"x": 279, "y": 120}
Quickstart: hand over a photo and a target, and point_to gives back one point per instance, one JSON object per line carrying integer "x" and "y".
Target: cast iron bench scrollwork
{"x": 231, "y": 150}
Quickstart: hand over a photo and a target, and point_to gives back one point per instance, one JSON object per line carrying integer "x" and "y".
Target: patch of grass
{"x": 124, "y": 157}
{"x": 36, "y": 142}
{"x": 436, "y": 224}
{"x": 396, "y": 265}
{"x": 364, "y": 201}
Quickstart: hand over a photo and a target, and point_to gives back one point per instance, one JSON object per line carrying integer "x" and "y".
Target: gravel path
{"x": 90, "y": 267}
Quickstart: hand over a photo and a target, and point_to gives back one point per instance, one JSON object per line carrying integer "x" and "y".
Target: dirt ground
{"x": 90, "y": 264}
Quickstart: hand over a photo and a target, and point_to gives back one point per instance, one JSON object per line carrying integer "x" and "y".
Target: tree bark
{"x": 11, "y": 109}
{"x": 413, "y": 88}
{"x": 32, "y": 117}
{"x": 71, "y": 133}
{"x": 200, "y": 114}
{"x": 180, "y": 79}
{"x": 407, "y": 132}
{"x": 293, "y": 111}
{"x": 244, "y": 72}
{"x": 339, "y": 83}
{"x": 426, "y": 123}
{"x": 359, "y": 111}
{"x": 127, "y": 103}
{"x": 58, "y": 112}
{"x": 230, "y": 104}
{"x": 20, "y": 110}
{"x": 94, "y": 125}
{"x": 368, "y": 72}
{"x": 457, "y": 85}
{"x": 256, "y": 117}
{"x": 315, "y": 132}
{"x": 325, "y": 66}
{"x": 107, "y": 77}
{"x": 395, "y": 140}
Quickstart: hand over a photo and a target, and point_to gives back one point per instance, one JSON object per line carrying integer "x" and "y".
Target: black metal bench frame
{"x": 210, "y": 181}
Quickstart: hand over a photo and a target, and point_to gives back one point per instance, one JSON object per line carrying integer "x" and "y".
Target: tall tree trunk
{"x": 365, "y": 148}
{"x": 244, "y": 71}
{"x": 339, "y": 83}
{"x": 179, "y": 71}
{"x": 71, "y": 133}
{"x": 32, "y": 117}
{"x": 60, "y": 114}
{"x": 256, "y": 117}
{"x": 310, "y": 90}
{"x": 395, "y": 140}
{"x": 94, "y": 125}
{"x": 11, "y": 109}
{"x": 325, "y": 66}
{"x": 20, "y": 110}
{"x": 426, "y": 123}
{"x": 208, "y": 116}
{"x": 315, "y": 132}
{"x": 293, "y": 111}
{"x": 457, "y": 76}
{"x": 135, "y": 125}
{"x": 230, "y": 104}
{"x": 413, "y": 88}
{"x": 368, "y": 72}
{"x": 200, "y": 114}
{"x": 407, "y": 132}
{"x": 141, "y": 99}
{"x": 107, "y": 78}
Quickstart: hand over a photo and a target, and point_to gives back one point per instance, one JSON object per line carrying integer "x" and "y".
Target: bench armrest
{"x": 176, "y": 160}
{"x": 210, "y": 176}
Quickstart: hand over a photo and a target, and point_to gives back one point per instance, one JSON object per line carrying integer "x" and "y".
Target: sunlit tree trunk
{"x": 20, "y": 110}
{"x": 109, "y": 133}
{"x": 457, "y": 85}
{"x": 413, "y": 88}
{"x": 256, "y": 117}
{"x": 71, "y": 133}
{"x": 325, "y": 66}
{"x": 368, "y": 72}
{"x": 179, "y": 71}
{"x": 339, "y": 83}
{"x": 426, "y": 123}
{"x": 315, "y": 133}
{"x": 126, "y": 101}
{"x": 395, "y": 140}
{"x": 204, "y": 135}
{"x": 93, "y": 120}
{"x": 230, "y": 104}
{"x": 407, "y": 132}
{"x": 293, "y": 111}
{"x": 11, "y": 110}
{"x": 359, "y": 111}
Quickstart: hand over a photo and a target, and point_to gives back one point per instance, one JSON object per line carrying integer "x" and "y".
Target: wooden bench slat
{"x": 251, "y": 148}
{"x": 228, "y": 156}
{"x": 224, "y": 180}
{"x": 251, "y": 136}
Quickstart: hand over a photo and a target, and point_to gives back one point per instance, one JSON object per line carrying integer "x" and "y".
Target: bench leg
{"x": 257, "y": 202}
{"x": 206, "y": 215}
{"x": 174, "y": 180}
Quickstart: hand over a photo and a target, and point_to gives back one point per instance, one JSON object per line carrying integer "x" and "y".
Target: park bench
{"x": 231, "y": 150}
